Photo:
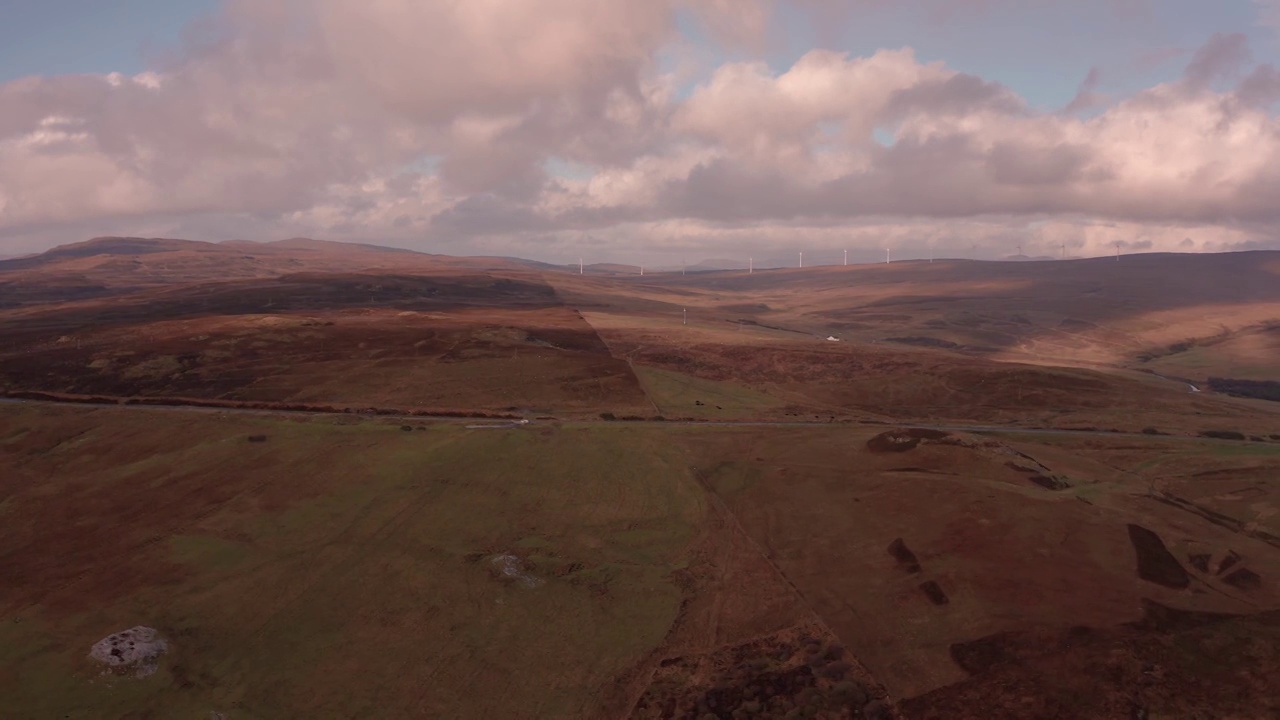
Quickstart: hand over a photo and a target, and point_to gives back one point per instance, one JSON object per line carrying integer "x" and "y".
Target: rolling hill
{"x": 332, "y": 475}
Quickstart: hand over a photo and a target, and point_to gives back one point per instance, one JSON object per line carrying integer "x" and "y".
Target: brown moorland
{"x": 674, "y": 570}
{"x": 442, "y": 337}
{"x": 970, "y": 505}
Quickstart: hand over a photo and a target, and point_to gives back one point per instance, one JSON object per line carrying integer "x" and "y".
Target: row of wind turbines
{"x": 888, "y": 258}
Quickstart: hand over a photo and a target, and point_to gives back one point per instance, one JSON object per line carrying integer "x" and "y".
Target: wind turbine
{"x": 579, "y": 266}
{"x": 751, "y": 265}
{"x": 846, "y": 257}
{"x": 1117, "y": 251}
{"x": 802, "y": 259}
{"x": 886, "y": 256}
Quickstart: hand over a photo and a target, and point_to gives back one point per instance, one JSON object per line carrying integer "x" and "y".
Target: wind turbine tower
{"x": 801, "y": 259}
{"x": 751, "y": 265}
{"x": 886, "y": 256}
{"x": 1117, "y": 251}
{"x": 846, "y": 257}
{"x": 579, "y": 266}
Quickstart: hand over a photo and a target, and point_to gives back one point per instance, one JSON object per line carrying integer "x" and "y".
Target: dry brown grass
{"x": 956, "y": 573}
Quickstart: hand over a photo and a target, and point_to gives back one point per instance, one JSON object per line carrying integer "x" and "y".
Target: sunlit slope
{"x": 1080, "y": 312}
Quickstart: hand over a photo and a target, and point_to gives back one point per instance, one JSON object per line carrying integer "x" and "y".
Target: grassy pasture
{"x": 333, "y": 570}
{"x": 680, "y": 395}
{"x": 345, "y": 567}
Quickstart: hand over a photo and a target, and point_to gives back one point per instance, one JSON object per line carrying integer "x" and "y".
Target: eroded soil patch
{"x": 1172, "y": 663}
{"x": 1155, "y": 563}
{"x": 906, "y": 559}
{"x": 801, "y": 672}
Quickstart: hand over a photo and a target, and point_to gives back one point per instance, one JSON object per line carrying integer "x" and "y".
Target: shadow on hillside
{"x": 310, "y": 292}
{"x": 979, "y": 307}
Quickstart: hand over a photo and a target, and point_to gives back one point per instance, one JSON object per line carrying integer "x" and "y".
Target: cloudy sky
{"x": 646, "y": 130}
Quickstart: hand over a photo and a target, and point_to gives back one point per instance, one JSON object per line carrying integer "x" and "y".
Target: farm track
{"x": 261, "y": 412}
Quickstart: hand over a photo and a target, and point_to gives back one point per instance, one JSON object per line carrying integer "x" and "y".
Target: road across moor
{"x": 500, "y": 423}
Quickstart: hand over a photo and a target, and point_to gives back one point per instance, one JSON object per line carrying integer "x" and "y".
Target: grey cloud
{"x": 1219, "y": 59}
{"x": 301, "y": 117}
{"x": 488, "y": 214}
{"x": 1261, "y": 87}
{"x": 957, "y": 94}
{"x": 723, "y": 190}
{"x": 509, "y": 170}
{"x": 1087, "y": 96}
{"x": 1015, "y": 164}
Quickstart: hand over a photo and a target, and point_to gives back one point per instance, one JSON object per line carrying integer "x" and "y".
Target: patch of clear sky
{"x": 57, "y": 37}
{"x": 1043, "y": 51}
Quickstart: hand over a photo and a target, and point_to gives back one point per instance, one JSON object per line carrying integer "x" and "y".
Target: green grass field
{"x": 1225, "y": 360}
{"x": 346, "y": 572}
{"x": 354, "y": 567}
{"x": 677, "y": 395}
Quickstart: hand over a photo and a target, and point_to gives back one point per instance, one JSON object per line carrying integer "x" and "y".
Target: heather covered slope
{"x": 1091, "y": 312}
{"x": 111, "y": 265}
{"x": 648, "y": 571}
{"x": 713, "y": 509}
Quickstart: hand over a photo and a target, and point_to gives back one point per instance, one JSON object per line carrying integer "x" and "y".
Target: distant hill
{"x": 297, "y": 247}
{"x": 310, "y": 245}
{"x": 1158, "y": 311}
{"x": 719, "y": 264}
{"x": 613, "y": 268}
{"x": 712, "y": 265}
{"x": 106, "y": 266}
{"x": 106, "y": 246}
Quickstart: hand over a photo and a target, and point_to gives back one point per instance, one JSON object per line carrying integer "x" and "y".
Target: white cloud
{"x": 301, "y": 117}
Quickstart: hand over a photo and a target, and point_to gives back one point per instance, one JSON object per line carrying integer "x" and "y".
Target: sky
{"x": 646, "y": 132}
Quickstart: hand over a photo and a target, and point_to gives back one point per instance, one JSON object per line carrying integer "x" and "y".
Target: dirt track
{"x": 705, "y": 423}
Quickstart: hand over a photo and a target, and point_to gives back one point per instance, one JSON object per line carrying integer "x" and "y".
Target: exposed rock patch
{"x": 892, "y": 441}
{"x": 1050, "y": 483}
{"x": 136, "y": 650}
{"x": 903, "y": 440}
{"x": 511, "y": 567}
